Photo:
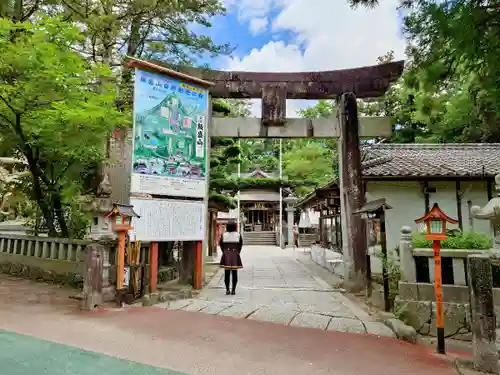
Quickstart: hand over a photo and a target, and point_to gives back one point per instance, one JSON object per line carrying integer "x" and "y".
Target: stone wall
{"x": 55, "y": 260}
{"x": 415, "y": 305}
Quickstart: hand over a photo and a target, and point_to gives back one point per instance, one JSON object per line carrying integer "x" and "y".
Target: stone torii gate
{"x": 274, "y": 89}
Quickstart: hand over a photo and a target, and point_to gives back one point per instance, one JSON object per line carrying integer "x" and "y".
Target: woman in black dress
{"x": 231, "y": 244}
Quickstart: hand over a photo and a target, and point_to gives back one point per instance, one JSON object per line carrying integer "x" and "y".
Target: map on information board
{"x": 170, "y": 136}
{"x": 168, "y": 220}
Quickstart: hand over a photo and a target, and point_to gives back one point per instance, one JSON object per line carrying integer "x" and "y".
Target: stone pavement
{"x": 274, "y": 287}
{"x": 119, "y": 342}
{"x": 42, "y": 332}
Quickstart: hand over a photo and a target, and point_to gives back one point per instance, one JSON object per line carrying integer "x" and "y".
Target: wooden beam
{"x": 369, "y": 127}
{"x": 132, "y": 62}
{"x": 364, "y": 82}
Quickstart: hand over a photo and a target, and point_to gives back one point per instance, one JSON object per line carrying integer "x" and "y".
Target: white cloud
{"x": 333, "y": 36}
{"x": 258, "y": 25}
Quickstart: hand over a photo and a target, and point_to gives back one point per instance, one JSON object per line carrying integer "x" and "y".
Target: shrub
{"x": 465, "y": 240}
{"x": 394, "y": 274}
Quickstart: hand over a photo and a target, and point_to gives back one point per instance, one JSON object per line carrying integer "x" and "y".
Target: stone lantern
{"x": 290, "y": 212}
{"x": 101, "y": 204}
{"x": 491, "y": 212}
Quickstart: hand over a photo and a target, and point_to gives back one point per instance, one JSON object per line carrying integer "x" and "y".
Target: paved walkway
{"x": 42, "y": 332}
{"x": 274, "y": 287}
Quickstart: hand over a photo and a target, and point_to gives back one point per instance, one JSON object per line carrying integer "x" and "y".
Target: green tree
{"x": 55, "y": 110}
{"x": 454, "y": 71}
{"x": 225, "y": 152}
{"x": 324, "y": 108}
{"x": 153, "y": 29}
{"x": 452, "y": 84}
{"x": 311, "y": 161}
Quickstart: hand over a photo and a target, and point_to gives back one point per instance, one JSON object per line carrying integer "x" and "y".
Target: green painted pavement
{"x": 24, "y": 355}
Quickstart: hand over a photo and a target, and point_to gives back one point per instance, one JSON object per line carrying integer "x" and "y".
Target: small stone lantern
{"x": 435, "y": 221}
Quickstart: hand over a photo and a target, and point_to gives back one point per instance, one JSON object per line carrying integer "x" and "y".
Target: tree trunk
{"x": 59, "y": 211}
{"x": 45, "y": 209}
{"x": 18, "y": 11}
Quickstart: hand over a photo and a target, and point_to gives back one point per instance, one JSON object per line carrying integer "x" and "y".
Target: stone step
{"x": 263, "y": 243}
{"x": 259, "y": 235}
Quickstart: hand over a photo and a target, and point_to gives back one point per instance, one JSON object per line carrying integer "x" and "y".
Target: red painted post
{"x": 435, "y": 221}
{"x": 153, "y": 267}
{"x": 120, "y": 261}
{"x": 438, "y": 286}
{"x": 198, "y": 265}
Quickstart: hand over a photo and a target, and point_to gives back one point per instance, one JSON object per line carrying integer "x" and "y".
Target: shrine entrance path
{"x": 44, "y": 335}
{"x": 275, "y": 287}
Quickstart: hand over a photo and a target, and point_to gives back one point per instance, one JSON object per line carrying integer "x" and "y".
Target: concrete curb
{"x": 167, "y": 295}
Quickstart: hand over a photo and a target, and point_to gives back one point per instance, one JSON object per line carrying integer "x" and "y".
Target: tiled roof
{"x": 431, "y": 160}
{"x": 255, "y": 173}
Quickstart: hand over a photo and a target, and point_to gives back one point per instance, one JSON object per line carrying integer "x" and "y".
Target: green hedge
{"x": 465, "y": 240}
{"x": 224, "y": 200}
{"x": 235, "y": 184}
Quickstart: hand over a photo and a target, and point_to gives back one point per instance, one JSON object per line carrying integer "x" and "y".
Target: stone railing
{"x": 329, "y": 259}
{"x": 416, "y": 298}
{"x": 417, "y": 265}
{"x": 55, "y": 260}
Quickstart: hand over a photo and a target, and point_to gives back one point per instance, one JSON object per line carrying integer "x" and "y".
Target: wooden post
{"x": 458, "y": 196}
{"x": 93, "y": 282}
{"x": 385, "y": 274}
{"x": 120, "y": 262}
{"x": 198, "y": 266}
{"x": 186, "y": 271}
{"x": 438, "y": 286}
{"x": 153, "y": 267}
{"x": 483, "y": 319}
{"x": 352, "y": 193}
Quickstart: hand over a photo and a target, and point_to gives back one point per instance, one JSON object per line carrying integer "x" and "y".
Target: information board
{"x": 168, "y": 220}
{"x": 170, "y": 137}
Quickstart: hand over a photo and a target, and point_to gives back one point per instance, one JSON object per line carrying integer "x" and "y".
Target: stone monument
{"x": 96, "y": 286}
{"x": 290, "y": 212}
{"x": 491, "y": 212}
{"x": 483, "y": 319}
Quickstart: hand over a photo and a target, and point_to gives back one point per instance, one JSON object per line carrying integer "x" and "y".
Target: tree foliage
{"x": 55, "y": 111}
{"x": 450, "y": 91}
{"x": 64, "y": 89}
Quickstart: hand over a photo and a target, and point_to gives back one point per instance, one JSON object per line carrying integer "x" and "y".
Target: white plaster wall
{"x": 259, "y": 195}
{"x": 407, "y": 204}
{"x": 477, "y": 193}
{"x": 407, "y": 201}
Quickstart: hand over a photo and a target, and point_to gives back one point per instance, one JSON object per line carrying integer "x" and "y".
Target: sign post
{"x": 170, "y": 160}
{"x": 435, "y": 221}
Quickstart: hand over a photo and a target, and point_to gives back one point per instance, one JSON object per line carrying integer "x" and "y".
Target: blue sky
{"x": 229, "y": 29}
{"x": 300, "y": 36}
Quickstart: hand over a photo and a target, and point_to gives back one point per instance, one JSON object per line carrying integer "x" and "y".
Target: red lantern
{"x": 435, "y": 222}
